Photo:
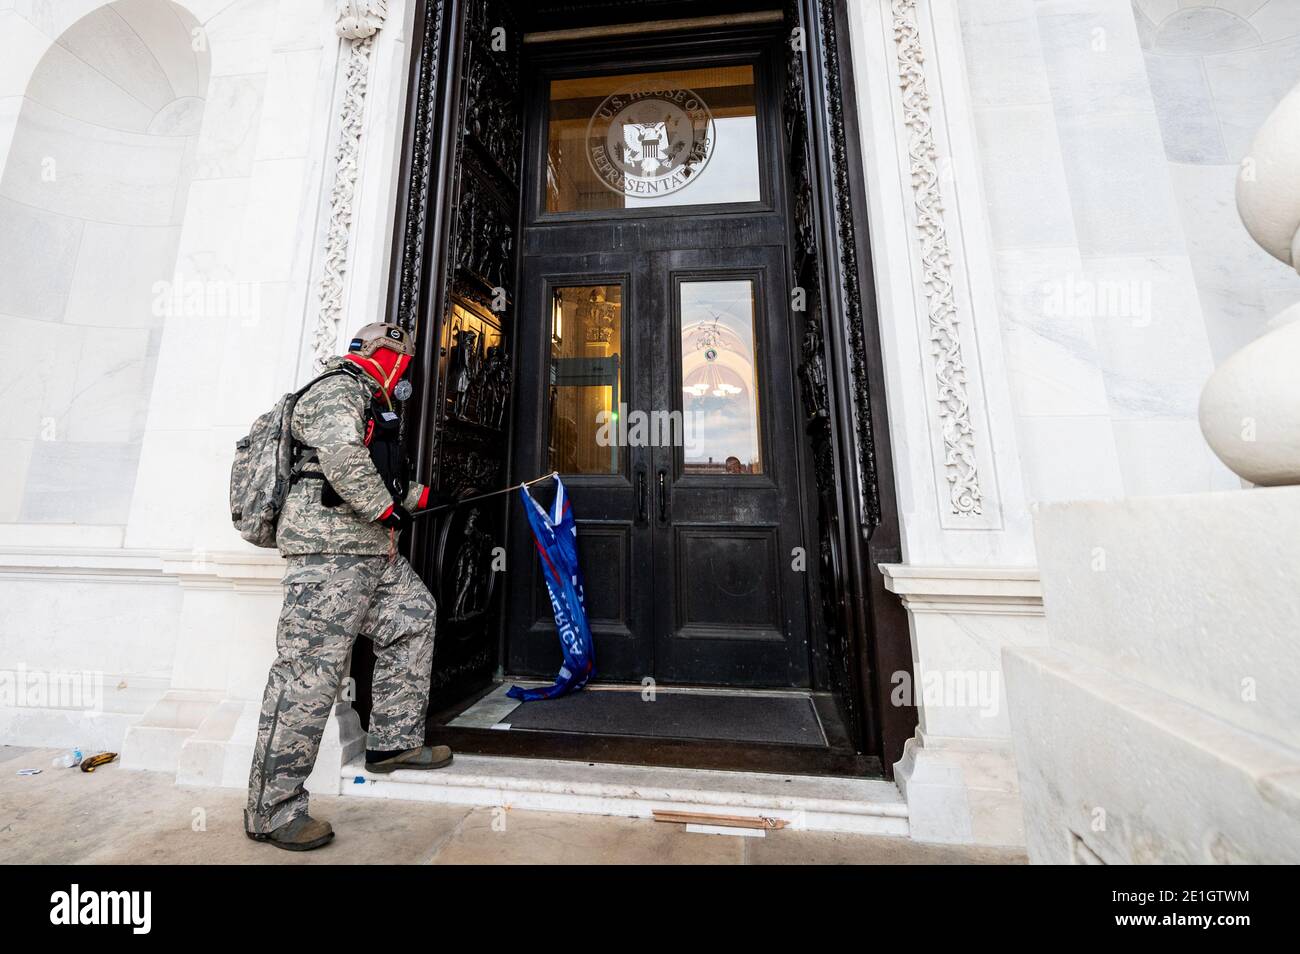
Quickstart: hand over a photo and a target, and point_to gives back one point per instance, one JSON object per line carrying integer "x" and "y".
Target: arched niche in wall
{"x": 91, "y": 204}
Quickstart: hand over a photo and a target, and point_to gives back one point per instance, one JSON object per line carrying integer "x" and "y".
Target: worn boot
{"x": 302, "y": 834}
{"x": 425, "y": 757}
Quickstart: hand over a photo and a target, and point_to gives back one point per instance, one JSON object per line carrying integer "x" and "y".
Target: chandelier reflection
{"x": 713, "y": 378}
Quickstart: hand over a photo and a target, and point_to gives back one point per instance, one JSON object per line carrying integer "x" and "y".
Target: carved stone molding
{"x": 360, "y": 19}
{"x": 964, "y": 494}
{"x": 358, "y": 22}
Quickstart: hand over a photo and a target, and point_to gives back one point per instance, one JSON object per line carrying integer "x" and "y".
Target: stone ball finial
{"x": 1250, "y": 407}
{"x": 1268, "y": 182}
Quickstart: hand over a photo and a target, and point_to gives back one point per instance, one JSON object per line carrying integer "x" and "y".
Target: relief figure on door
{"x": 478, "y": 390}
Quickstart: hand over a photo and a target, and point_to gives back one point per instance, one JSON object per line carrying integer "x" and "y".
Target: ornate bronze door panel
{"x": 454, "y": 285}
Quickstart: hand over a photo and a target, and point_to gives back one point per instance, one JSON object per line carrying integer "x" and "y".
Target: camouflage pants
{"x": 329, "y": 599}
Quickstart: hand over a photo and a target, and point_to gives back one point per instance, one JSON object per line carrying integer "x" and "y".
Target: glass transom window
{"x": 647, "y": 140}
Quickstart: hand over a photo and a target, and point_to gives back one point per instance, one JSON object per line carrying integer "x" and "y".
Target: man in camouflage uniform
{"x": 339, "y": 532}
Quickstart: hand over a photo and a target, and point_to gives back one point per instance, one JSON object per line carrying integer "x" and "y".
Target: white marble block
{"x": 957, "y": 773}
{"x": 1161, "y": 722}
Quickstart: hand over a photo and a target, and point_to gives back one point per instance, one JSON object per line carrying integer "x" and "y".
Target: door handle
{"x": 642, "y": 516}
{"x": 663, "y": 496}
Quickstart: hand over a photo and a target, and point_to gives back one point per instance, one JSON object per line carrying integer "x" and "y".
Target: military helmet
{"x": 381, "y": 335}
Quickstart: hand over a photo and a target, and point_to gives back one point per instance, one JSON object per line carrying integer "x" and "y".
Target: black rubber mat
{"x": 790, "y": 720}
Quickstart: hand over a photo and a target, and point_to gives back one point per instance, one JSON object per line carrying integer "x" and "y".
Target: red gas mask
{"x": 384, "y": 351}
{"x": 385, "y": 366}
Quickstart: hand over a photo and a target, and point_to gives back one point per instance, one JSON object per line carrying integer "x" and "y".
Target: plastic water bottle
{"x": 68, "y": 759}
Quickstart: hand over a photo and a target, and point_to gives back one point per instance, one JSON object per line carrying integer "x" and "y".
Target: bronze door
{"x": 480, "y": 216}
{"x": 659, "y": 385}
{"x": 729, "y": 558}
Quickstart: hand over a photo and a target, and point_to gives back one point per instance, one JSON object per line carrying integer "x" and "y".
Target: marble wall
{"x": 1106, "y": 344}
{"x": 159, "y": 286}
{"x": 93, "y": 192}
{"x": 252, "y": 229}
{"x": 1217, "y": 69}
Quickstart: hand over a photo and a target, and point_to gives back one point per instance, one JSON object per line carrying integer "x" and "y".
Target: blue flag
{"x": 556, "y": 534}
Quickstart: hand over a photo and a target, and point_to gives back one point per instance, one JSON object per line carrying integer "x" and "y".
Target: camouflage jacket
{"x": 330, "y": 418}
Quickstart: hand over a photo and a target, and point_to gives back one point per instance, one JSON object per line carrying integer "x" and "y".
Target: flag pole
{"x": 491, "y": 493}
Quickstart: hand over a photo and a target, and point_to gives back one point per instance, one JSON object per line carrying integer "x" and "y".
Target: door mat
{"x": 788, "y": 720}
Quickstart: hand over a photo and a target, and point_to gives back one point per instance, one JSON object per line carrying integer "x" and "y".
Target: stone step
{"x": 861, "y": 806}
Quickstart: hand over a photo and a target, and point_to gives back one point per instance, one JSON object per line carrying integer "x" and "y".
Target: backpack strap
{"x": 332, "y": 372}
{"x": 295, "y": 474}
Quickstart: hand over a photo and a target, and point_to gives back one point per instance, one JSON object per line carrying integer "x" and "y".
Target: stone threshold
{"x": 850, "y": 805}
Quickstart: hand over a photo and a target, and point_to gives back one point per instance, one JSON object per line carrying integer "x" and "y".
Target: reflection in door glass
{"x": 719, "y": 378}
{"x": 586, "y": 378}
{"x": 646, "y": 140}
